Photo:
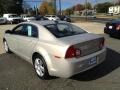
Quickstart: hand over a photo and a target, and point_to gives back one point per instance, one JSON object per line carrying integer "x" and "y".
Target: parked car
{"x": 113, "y": 28}
{"x": 28, "y": 18}
{"x": 64, "y": 18}
{"x": 38, "y": 17}
{"x": 52, "y": 17}
{"x": 88, "y": 16}
{"x": 3, "y": 20}
{"x": 55, "y": 48}
{"x": 12, "y": 18}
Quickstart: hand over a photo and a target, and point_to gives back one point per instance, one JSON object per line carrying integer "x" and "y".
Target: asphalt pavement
{"x": 101, "y": 20}
{"x": 17, "y": 74}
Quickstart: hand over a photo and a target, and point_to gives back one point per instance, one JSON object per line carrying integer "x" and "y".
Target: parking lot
{"x": 17, "y": 74}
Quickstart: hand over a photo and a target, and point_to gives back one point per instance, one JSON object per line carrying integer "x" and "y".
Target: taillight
{"x": 73, "y": 52}
{"x": 102, "y": 42}
{"x": 118, "y": 27}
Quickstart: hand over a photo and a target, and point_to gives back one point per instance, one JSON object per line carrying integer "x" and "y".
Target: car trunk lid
{"x": 87, "y": 43}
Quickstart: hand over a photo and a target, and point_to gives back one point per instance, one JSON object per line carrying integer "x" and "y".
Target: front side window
{"x": 18, "y": 30}
{"x": 64, "y": 29}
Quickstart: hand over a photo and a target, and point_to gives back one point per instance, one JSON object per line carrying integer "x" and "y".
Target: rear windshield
{"x": 63, "y": 29}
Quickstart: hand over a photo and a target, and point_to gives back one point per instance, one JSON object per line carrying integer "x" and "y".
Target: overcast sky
{"x": 69, "y": 3}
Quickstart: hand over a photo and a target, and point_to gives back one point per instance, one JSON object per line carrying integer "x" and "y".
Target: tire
{"x": 11, "y": 22}
{"x": 105, "y": 32}
{"x": 40, "y": 67}
{"x": 7, "y": 50}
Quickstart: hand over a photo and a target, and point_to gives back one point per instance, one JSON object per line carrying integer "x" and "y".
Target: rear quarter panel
{"x": 49, "y": 50}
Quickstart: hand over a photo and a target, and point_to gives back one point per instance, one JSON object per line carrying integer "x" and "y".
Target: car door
{"x": 12, "y": 38}
{"x": 27, "y": 40}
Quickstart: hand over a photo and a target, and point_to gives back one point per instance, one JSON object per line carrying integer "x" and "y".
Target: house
{"x": 114, "y": 10}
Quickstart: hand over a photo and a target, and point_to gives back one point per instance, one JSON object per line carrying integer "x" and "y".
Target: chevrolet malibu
{"x": 55, "y": 48}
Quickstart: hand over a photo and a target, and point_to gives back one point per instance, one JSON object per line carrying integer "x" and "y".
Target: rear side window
{"x": 32, "y": 31}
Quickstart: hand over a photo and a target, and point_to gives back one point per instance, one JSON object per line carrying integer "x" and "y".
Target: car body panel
{"x": 67, "y": 68}
{"x": 79, "y": 38}
{"x": 11, "y": 41}
{"x": 28, "y": 44}
{"x": 3, "y": 20}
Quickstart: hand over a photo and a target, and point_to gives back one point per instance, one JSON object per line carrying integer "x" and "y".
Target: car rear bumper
{"x": 115, "y": 33}
{"x": 67, "y": 68}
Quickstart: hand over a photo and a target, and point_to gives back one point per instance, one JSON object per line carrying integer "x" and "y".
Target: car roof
{"x": 45, "y": 22}
{"x": 116, "y": 20}
{"x": 10, "y": 14}
{"x": 50, "y": 15}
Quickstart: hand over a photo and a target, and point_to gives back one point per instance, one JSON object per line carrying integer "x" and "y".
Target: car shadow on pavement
{"x": 16, "y": 66}
{"x": 111, "y": 63}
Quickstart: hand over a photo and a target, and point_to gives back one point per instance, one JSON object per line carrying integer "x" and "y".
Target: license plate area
{"x": 93, "y": 61}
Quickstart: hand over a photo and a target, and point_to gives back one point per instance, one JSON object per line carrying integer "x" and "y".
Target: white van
{"x": 28, "y": 18}
{"x": 52, "y": 17}
{"x": 12, "y": 18}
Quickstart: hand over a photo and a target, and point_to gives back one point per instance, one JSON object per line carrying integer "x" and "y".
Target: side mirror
{"x": 8, "y": 31}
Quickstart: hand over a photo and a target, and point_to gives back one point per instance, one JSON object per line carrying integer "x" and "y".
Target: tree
{"x": 11, "y": 6}
{"x": 26, "y": 7}
{"x": 117, "y": 2}
{"x": 103, "y": 7}
{"x": 46, "y": 8}
{"x": 68, "y": 11}
{"x": 78, "y": 7}
{"x": 88, "y": 5}
{"x": 51, "y": 10}
{"x": 43, "y": 8}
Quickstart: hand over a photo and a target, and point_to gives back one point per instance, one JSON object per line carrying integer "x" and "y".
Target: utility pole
{"x": 60, "y": 6}
{"x": 36, "y": 10}
{"x": 114, "y": 2}
{"x": 86, "y": 9}
{"x": 113, "y": 7}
